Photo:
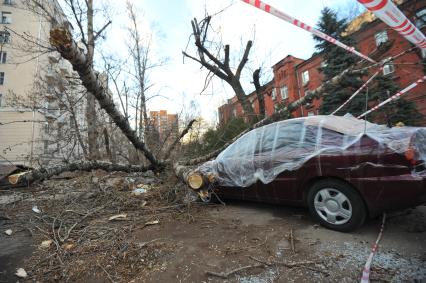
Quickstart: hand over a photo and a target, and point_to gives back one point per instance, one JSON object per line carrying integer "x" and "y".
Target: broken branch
{"x": 226, "y": 275}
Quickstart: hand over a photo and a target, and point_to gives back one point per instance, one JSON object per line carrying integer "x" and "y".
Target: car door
{"x": 281, "y": 151}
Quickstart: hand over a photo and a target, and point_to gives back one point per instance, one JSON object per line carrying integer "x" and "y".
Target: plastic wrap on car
{"x": 265, "y": 152}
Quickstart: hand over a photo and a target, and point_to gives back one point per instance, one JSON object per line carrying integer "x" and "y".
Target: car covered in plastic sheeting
{"x": 344, "y": 169}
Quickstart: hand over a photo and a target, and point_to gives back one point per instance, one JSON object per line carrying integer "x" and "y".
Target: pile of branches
{"x": 86, "y": 220}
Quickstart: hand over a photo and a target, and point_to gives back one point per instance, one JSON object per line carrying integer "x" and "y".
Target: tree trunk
{"x": 61, "y": 39}
{"x": 259, "y": 93}
{"x": 45, "y": 173}
{"x": 107, "y": 144}
{"x": 91, "y": 116}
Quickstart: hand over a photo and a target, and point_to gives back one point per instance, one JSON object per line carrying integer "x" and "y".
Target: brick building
{"x": 294, "y": 77}
{"x": 165, "y": 127}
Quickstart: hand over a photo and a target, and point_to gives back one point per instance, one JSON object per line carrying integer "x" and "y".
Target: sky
{"x": 177, "y": 84}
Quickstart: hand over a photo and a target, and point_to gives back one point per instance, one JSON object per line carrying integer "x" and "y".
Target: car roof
{"x": 348, "y": 124}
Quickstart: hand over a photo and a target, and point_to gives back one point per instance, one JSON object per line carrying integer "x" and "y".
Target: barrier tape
{"x": 394, "y": 97}
{"x": 273, "y": 11}
{"x": 390, "y": 14}
{"x": 358, "y": 90}
{"x": 366, "y": 271}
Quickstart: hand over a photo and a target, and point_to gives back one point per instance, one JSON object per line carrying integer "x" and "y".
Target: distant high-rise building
{"x": 164, "y": 126}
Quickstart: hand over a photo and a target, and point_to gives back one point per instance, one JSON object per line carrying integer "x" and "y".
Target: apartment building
{"x": 33, "y": 84}
{"x": 294, "y": 77}
{"x": 163, "y": 127}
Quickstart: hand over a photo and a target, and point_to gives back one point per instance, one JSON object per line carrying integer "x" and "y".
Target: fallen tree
{"x": 44, "y": 173}
{"x": 62, "y": 40}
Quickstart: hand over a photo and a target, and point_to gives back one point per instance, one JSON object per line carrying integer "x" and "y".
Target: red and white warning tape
{"x": 358, "y": 90}
{"x": 366, "y": 271}
{"x": 273, "y": 11}
{"x": 394, "y": 97}
{"x": 389, "y": 13}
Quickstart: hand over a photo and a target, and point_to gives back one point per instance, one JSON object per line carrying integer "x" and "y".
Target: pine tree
{"x": 400, "y": 110}
{"x": 336, "y": 60}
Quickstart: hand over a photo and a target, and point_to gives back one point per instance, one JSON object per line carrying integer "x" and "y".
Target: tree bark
{"x": 61, "y": 39}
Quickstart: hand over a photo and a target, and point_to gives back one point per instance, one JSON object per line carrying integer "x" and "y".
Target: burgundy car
{"x": 343, "y": 169}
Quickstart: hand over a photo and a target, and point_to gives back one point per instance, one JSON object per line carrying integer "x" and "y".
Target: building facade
{"x": 163, "y": 127}
{"x": 293, "y": 77}
{"x": 35, "y": 92}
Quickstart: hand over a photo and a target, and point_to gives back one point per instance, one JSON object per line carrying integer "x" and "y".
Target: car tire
{"x": 336, "y": 205}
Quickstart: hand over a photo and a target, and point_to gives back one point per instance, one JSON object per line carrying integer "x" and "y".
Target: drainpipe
{"x": 33, "y": 110}
{"x": 298, "y": 92}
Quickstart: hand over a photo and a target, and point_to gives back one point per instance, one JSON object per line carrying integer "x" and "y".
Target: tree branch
{"x": 244, "y": 59}
{"x": 98, "y": 33}
{"x": 173, "y": 145}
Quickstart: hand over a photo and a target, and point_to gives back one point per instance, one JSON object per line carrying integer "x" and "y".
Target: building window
{"x": 3, "y": 56}
{"x": 1, "y": 78}
{"x": 305, "y": 77}
{"x": 311, "y": 113}
{"x": 274, "y": 93}
{"x": 6, "y": 17}
{"x": 7, "y": 2}
{"x": 46, "y": 147}
{"x": 4, "y": 37}
{"x": 284, "y": 92}
{"x": 421, "y": 18}
{"x": 388, "y": 68}
{"x": 1, "y": 98}
{"x": 381, "y": 37}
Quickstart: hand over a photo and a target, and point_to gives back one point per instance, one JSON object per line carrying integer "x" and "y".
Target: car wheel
{"x": 207, "y": 196}
{"x": 336, "y": 205}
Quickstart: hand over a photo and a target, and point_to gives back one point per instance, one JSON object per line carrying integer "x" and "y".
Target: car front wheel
{"x": 336, "y": 205}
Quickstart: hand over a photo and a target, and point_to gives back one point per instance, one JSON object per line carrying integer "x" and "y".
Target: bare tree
{"x": 82, "y": 14}
{"x": 220, "y": 65}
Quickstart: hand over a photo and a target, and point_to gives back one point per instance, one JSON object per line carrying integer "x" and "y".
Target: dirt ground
{"x": 163, "y": 236}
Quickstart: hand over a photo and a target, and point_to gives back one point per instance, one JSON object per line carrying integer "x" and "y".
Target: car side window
{"x": 279, "y": 135}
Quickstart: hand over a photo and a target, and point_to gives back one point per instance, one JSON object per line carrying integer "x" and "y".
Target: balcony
{"x": 53, "y": 58}
{"x": 64, "y": 71}
{"x": 51, "y": 77}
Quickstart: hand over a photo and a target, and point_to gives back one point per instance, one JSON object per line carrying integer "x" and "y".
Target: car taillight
{"x": 410, "y": 155}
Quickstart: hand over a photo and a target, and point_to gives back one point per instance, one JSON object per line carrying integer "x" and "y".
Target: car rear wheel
{"x": 336, "y": 205}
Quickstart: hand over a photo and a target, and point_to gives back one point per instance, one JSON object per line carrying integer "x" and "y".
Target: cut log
{"x": 195, "y": 180}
